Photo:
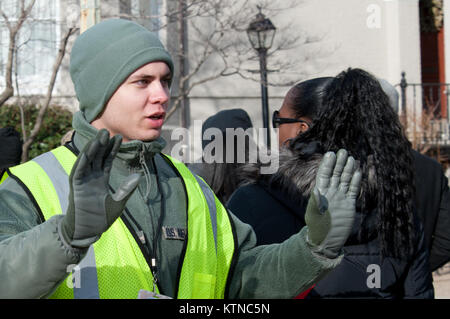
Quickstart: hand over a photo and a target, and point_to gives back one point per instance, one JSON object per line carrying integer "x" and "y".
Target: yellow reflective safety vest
{"x": 115, "y": 266}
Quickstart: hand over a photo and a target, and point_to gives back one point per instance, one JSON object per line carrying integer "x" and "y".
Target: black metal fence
{"x": 424, "y": 110}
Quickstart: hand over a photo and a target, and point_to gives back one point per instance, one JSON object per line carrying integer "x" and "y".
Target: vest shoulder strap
{"x": 45, "y": 177}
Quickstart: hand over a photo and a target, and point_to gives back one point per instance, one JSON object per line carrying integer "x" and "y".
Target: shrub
{"x": 57, "y": 121}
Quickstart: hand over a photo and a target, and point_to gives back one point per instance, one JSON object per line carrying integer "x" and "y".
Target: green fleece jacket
{"x": 34, "y": 261}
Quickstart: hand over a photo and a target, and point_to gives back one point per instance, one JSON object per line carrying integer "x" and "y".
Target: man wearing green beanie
{"x": 121, "y": 218}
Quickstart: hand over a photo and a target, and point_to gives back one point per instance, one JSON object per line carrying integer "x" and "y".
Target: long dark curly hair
{"x": 357, "y": 116}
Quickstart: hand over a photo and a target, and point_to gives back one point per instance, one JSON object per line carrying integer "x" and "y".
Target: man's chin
{"x": 152, "y": 136}
{"x": 143, "y": 137}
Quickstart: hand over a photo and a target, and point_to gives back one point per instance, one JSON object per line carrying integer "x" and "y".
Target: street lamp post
{"x": 261, "y": 32}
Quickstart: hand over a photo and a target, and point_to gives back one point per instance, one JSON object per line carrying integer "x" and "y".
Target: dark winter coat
{"x": 275, "y": 206}
{"x": 10, "y": 147}
{"x": 433, "y": 204}
{"x": 256, "y": 203}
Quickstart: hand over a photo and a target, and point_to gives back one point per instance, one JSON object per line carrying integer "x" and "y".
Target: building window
{"x": 37, "y": 40}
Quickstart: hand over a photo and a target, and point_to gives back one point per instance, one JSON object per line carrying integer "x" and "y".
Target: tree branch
{"x": 43, "y": 108}
{"x": 13, "y": 31}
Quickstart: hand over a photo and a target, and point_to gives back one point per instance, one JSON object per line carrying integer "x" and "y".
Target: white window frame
{"x": 33, "y": 82}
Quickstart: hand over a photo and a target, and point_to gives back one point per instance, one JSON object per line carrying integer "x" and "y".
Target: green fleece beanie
{"x": 105, "y": 55}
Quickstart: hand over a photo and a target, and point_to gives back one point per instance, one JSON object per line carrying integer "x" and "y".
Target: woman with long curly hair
{"x": 385, "y": 255}
{"x": 358, "y": 117}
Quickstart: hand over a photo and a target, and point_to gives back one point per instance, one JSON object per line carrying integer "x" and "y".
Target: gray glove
{"x": 92, "y": 208}
{"x": 331, "y": 207}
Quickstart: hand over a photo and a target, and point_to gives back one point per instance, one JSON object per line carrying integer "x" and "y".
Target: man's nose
{"x": 159, "y": 93}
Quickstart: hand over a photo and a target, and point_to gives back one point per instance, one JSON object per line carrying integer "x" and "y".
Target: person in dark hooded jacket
{"x": 386, "y": 254}
{"x": 221, "y": 175}
{"x": 10, "y": 148}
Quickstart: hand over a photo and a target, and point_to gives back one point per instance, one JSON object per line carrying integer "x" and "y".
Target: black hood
{"x": 234, "y": 118}
{"x": 10, "y": 146}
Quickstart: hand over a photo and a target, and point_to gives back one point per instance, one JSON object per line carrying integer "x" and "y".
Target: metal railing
{"x": 424, "y": 112}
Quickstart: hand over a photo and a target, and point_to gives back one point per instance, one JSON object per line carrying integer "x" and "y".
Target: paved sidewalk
{"x": 441, "y": 278}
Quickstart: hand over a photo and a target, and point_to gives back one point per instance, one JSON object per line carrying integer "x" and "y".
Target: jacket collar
{"x": 295, "y": 180}
{"x": 295, "y": 175}
{"x": 130, "y": 153}
{"x": 295, "y": 205}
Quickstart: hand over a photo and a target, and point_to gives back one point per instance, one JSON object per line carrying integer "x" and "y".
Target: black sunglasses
{"x": 277, "y": 120}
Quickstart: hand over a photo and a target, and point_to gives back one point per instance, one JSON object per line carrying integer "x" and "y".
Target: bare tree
{"x": 208, "y": 41}
{"x": 218, "y": 44}
{"x": 43, "y": 109}
{"x": 13, "y": 29}
{"x": 19, "y": 38}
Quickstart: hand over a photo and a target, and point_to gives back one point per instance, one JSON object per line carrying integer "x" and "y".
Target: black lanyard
{"x": 157, "y": 231}
{"x": 139, "y": 235}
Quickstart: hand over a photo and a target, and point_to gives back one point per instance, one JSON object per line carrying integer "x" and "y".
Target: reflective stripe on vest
{"x": 104, "y": 273}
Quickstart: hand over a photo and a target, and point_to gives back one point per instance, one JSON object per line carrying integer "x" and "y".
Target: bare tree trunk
{"x": 19, "y": 98}
{"x": 182, "y": 64}
{"x": 43, "y": 109}
{"x": 9, "y": 89}
{"x": 13, "y": 32}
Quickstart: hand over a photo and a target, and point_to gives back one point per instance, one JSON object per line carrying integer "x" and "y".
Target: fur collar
{"x": 297, "y": 171}
{"x": 295, "y": 175}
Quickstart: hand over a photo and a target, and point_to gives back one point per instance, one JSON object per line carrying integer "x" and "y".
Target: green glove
{"x": 92, "y": 208}
{"x": 331, "y": 207}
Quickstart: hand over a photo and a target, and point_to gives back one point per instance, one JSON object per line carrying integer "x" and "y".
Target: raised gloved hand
{"x": 92, "y": 208}
{"x": 331, "y": 207}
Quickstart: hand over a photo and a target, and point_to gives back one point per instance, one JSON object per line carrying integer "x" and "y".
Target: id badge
{"x": 145, "y": 294}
